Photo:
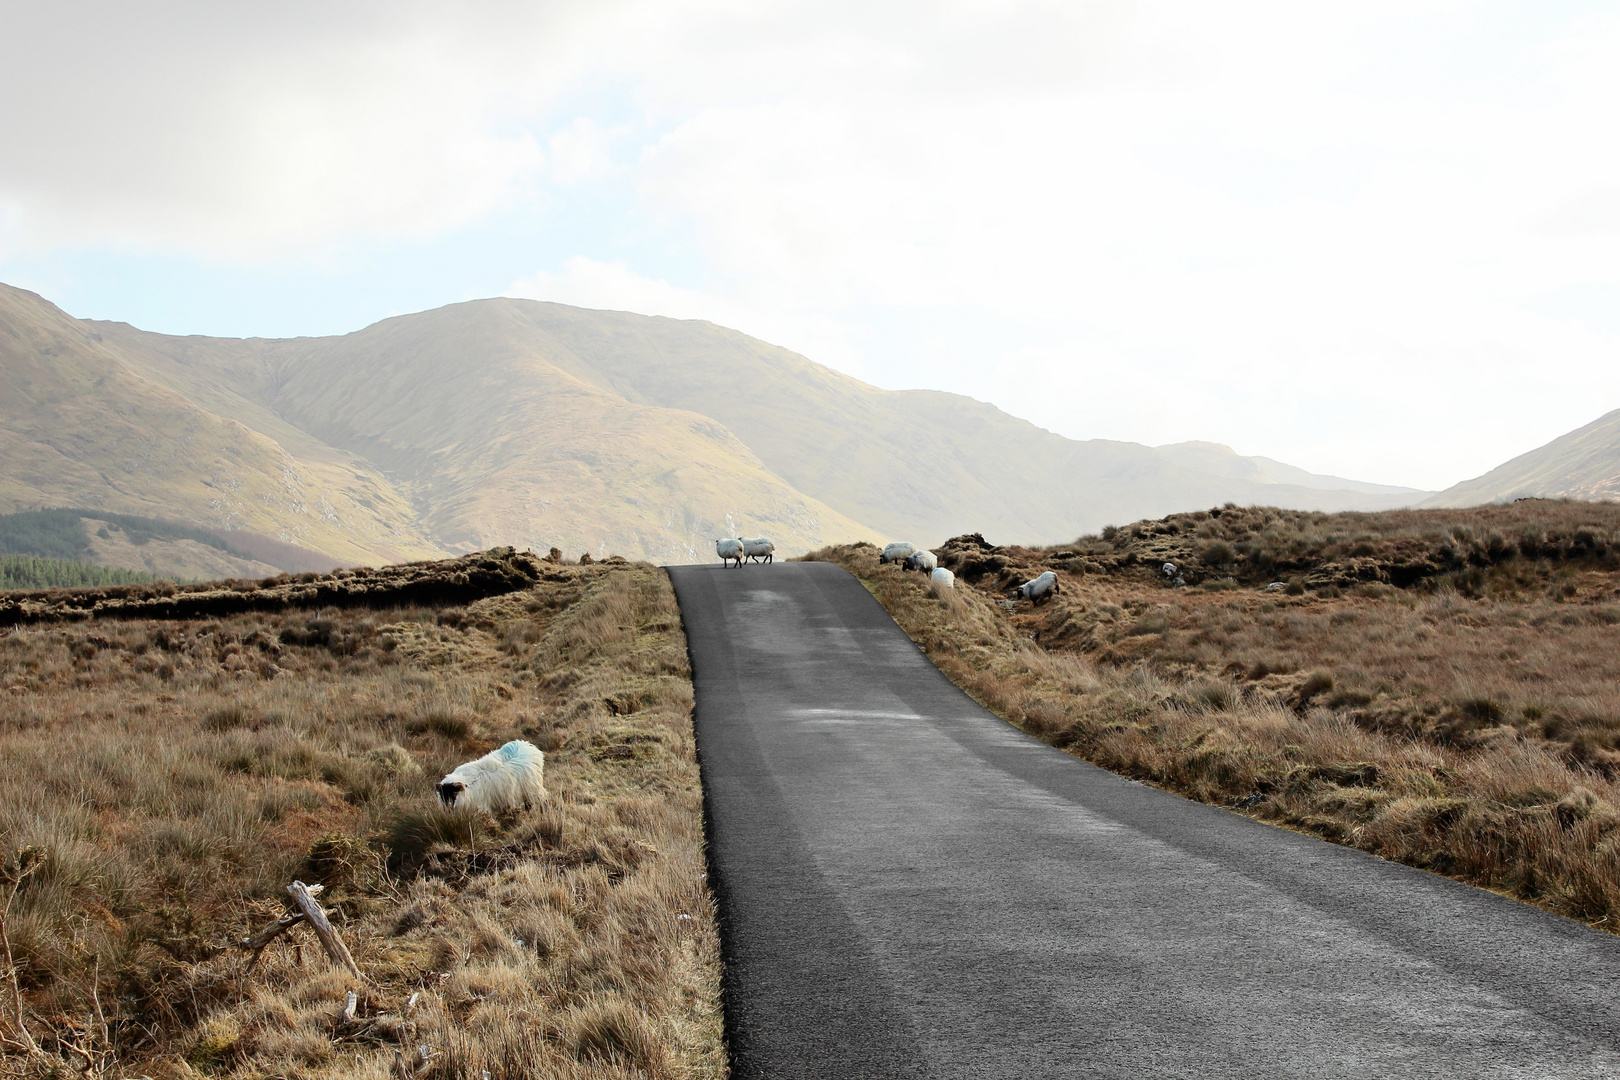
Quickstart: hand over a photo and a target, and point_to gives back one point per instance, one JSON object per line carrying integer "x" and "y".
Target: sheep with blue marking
{"x": 943, "y": 578}
{"x": 510, "y": 778}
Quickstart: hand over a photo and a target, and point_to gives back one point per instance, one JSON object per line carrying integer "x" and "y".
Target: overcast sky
{"x": 1374, "y": 239}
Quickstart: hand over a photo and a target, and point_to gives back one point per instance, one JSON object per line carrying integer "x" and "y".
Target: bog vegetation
{"x": 171, "y": 776}
{"x": 1441, "y": 688}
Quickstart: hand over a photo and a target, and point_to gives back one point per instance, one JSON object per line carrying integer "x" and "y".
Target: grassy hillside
{"x": 182, "y": 771}
{"x": 913, "y": 463}
{"x": 33, "y": 572}
{"x": 520, "y": 422}
{"x": 79, "y": 427}
{"x": 144, "y": 545}
{"x": 493, "y": 442}
{"x": 1436, "y": 687}
{"x": 1584, "y": 464}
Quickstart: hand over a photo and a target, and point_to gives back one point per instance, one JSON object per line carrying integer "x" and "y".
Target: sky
{"x": 1376, "y": 240}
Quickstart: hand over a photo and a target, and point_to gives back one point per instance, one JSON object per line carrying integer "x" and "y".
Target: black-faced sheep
{"x": 943, "y": 578}
{"x": 513, "y": 776}
{"x": 1039, "y": 589}
{"x": 896, "y": 552}
{"x": 757, "y": 548}
{"x": 729, "y": 549}
{"x": 921, "y": 559}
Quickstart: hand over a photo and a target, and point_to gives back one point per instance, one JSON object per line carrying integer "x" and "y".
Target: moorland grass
{"x": 1467, "y": 725}
{"x": 169, "y": 778}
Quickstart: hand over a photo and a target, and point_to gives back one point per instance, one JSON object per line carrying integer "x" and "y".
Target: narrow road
{"x": 910, "y": 887}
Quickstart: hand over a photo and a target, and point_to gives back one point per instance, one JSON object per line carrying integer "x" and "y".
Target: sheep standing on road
{"x": 896, "y": 552}
{"x": 943, "y": 578}
{"x": 729, "y": 549}
{"x": 921, "y": 559}
{"x": 513, "y": 776}
{"x": 1039, "y": 589}
{"x": 756, "y": 548}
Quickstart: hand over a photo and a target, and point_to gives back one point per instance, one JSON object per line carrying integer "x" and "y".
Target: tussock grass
{"x": 1475, "y": 733}
{"x": 172, "y": 777}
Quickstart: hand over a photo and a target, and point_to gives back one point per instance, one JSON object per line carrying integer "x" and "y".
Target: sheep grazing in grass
{"x": 513, "y": 776}
{"x": 943, "y": 578}
{"x": 921, "y": 560}
{"x": 1039, "y": 589}
{"x": 757, "y": 548}
{"x": 896, "y": 552}
{"x": 728, "y": 549}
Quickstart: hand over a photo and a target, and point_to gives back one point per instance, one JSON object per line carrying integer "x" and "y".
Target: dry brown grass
{"x": 1473, "y": 735}
{"x": 168, "y": 779}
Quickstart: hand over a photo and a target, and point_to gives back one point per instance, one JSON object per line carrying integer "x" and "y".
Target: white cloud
{"x": 1327, "y": 233}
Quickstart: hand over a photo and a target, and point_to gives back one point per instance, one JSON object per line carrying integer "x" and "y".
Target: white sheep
{"x": 505, "y": 779}
{"x": 728, "y": 549}
{"x": 1040, "y": 588}
{"x": 943, "y": 578}
{"x": 921, "y": 559}
{"x": 757, "y": 548}
{"x": 1169, "y": 570}
{"x": 896, "y": 552}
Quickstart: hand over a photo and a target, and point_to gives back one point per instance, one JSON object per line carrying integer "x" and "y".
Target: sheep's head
{"x": 450, "y": 791}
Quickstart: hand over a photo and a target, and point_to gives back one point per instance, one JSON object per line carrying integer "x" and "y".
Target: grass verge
{"x": 1471, "y": 733}
{"x": 173, "y": 776}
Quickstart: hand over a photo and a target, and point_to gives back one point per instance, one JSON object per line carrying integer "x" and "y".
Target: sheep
{"x": 757, "y": 548}
{"x": 1169, "y": 570}
{"x": 896, "y": 552}
{"x": 1039, "y": 589}
{"x": 943, "y": 578}
{"x": 504, "y": 779}
{"x": 729, "y": 549}
{"x": 921, "y": 560}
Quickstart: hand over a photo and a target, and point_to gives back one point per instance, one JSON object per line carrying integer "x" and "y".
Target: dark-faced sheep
{"x": 896, "y": 552}
{"x": 506, "y": 779}
{"x": 921, "y": 559}
{"x": 1039, "y": 589}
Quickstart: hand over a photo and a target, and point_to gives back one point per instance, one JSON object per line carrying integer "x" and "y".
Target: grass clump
{"x": 183, "y": 771}
{"x": 1473, "y": 730}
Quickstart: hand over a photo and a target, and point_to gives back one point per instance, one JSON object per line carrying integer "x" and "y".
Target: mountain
{"x": 515, "y": 421}
{"x": 151, "y": 546}
{"x": 1584, "y": 464}
{"x": 80, "y": 427}
{"x": 486, "y": 428}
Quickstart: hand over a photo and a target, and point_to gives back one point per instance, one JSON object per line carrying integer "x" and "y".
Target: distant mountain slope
{"x": 922, "y": 464}
{"x": 151, "y": 546}
{"x": 514, "y": 421}
{"x": 1585, "y": 464}
{"x": 80, "y": 427}
{"x": 465, "y": 411}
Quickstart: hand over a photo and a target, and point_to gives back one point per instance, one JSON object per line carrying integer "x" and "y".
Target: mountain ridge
{"x": 506, "y": 421}
{"x": 1580, "y": 464}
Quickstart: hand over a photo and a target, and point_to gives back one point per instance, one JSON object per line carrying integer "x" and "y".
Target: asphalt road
{"x": 910, "y": 887}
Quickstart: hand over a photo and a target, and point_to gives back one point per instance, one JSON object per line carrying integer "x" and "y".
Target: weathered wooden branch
{"x": 305, "y": 899}
{"x": 258, "y": 942}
